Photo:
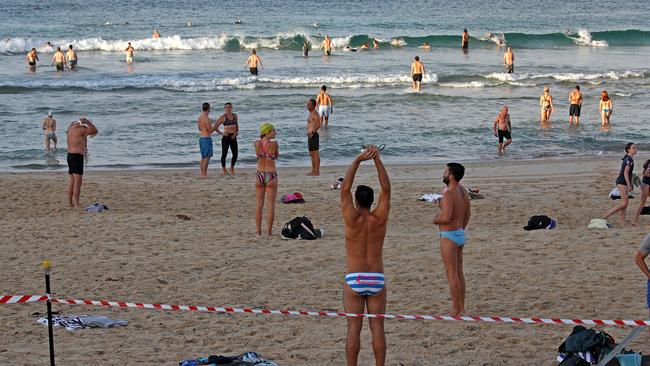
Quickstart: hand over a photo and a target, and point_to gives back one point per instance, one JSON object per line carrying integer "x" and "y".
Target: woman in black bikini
{"x": 230, "y": 124}
{"x": 266, "y": 177}
{"x": 624, "y": 181}
{"x": 645, "y": 190}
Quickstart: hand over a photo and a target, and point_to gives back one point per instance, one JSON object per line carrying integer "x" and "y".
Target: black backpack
{"x": 299, "y": 228}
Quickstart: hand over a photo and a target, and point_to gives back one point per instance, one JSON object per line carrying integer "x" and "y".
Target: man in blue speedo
{"x": 452, "y": 220}
{"x": 365, "y": 231}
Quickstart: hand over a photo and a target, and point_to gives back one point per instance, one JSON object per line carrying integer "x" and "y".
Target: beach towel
{"x": 295, "y": 197}
{"x": 336, "y": 184}
{"x": 615, "y": 194}
{"x": 245, "y": 359}
{"x": 599, "y": 224}
{"x": 430, "y": 197}
{"x": 538, "y": 222}
{"x": 76, "y": 322}
{"x": 97, "y": 207}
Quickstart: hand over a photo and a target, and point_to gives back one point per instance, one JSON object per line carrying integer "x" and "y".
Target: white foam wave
{"x": 583, "y": 38}
{"x": 469, "y": 84}
{"x": 497, "y": 38}
{"x": 501, "y": 76}
{"x": 398, "y": 42}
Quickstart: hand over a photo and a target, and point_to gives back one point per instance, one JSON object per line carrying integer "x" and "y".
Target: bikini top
{"x": 265, "y": 154}
{"x": 230, "y": 122}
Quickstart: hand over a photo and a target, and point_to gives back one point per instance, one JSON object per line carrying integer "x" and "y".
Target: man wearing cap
{"x": 641, "y": 255}
{"x": 49, "y": 126}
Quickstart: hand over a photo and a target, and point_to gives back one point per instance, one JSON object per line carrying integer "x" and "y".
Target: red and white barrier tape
{"x": 15, "y": 299}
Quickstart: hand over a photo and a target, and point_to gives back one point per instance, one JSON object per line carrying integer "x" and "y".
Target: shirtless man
{"x": 252, "y": 62}
{"x": 509, "y": 60}
{"x": 72, "y": 58}
{"x": 575, "y": 99}
{"x": 313, "y": 143}
{"x": 58, "y": 59}
{"x": 129, "y": 53}
{"x": 375, "y": 44}
{"x": 417, "y": 70}
{"x": 206, "y": 128}
{"x": 452, "y": 220}
{"x": 78, "y": 133}
{"x": 327, "y": 45}
{"x": 49, "y": 126}
{"x": 31, "y": 59}
{"x": 325, "y": 105}
{"x": 464, "y": 42}
{"x": 504, "y": 129}
{"x": 364, "y": 232}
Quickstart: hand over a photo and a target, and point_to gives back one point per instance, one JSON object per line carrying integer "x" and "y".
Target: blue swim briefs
{"x": 457, "y": 236}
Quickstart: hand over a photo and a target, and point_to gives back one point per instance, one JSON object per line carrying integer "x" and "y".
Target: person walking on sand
{"x": 364, "y": 232}
{"x": 464, "y": 42}
{"x": 266, "y": 177}
{"x": 327, "y": 45}
{"x": 31, "y": 59}
{"x": 49, "y": 126}
{"x": 641, "y": 255}
{"x": 624, "y": 182}
{"x": 313, "y": 143}
{"x": 606, "y": 108}
{"x": 325, "y": 105}
{"x": 509, "y": 61}
{"x": 205, "y": 139}
{"x": 502, "y": 128}
{"x": 71, "y": 56}
{"x": 129, "y": 51}
{"x": 253, "y": 62}
{"x": 452, "y": 220}
{"x": 645, "y": 191}
{"x": 58, "y": 59}
{"x": 546, "y": 105}
{"x": 77, "y": 136}
{"x": 230, "y": 123}
{"x": 575, "y": 101}
{"x": 417, "y": 70}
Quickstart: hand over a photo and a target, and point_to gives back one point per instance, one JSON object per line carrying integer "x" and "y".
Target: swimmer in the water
{"x": 365, "y": 46}
{"x": 425, "y": 46}
{"x": 375, "y": 44}
{"x": 31, "y": 59}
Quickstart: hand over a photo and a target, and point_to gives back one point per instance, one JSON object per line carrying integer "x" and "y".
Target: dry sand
{"x": 140, "y": 251}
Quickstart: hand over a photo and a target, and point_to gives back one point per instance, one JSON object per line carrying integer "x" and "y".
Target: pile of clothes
{"x": 245, "y": 359}
{"x": 76, "y": 322}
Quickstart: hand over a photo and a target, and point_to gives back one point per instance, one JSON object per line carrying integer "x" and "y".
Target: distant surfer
{"x": 252, "y": 63}
{"x": 189, "y": 23}
{"x": 58, "y": 60}
{"x": 72, "y": 57}
{"x": 327, "y": 45}
{"x": 417, "y": 70}
{"x": 129, "y": 53}
{"x": 349, "y": 49}
{"x": 509, "y": 61}
{"x": 238, "y": 21}
{"x": 464, "y": 42}
{"x": 31, "y": 59}
{"x": 305, "y": 48}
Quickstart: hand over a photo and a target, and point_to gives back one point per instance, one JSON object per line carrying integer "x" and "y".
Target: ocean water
{"x": 147, "y": 112}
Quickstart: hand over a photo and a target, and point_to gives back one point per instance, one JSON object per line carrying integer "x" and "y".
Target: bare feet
{"x": 313, "y": 174}
{"x": 232, "y": 170}
{"x": 203, "y": 177}
{"x": 225, "y": 172}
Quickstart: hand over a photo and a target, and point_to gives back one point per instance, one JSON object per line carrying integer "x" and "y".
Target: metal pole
{"x": 46, "y": 268}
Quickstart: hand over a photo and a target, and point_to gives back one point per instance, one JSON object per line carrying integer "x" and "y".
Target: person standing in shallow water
{"x": 266, "y": 177}
{"x": 546, "y": 105}
{"x": 503, "y": 129}
{"x": 230, "y": 123}
{"x": 417, "y": 70}
{"x": 464, "y": 42}
{"x": 313, "y": 139}
{"x": 509, "y": 61}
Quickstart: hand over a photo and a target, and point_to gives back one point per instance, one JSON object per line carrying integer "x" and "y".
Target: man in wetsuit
{"x": 313, "y": 140}
{"x": 509, "y": 61}
{"x": 452, "y": 220}
{"x": 575, "y": 99}
{"x": 31, "y": 59}
{"x": 72, "y": 58}
{"x": 77, "y": 137}
{"x": 502, "y": 128}
{"x": 417, "y": 70}
{"x": 252, "y": 62}
{"x": 58, "y": 59}
{"x": 364, "y": 232}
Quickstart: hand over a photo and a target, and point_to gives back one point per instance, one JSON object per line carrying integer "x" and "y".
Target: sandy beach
{"x": 140, "y": 251}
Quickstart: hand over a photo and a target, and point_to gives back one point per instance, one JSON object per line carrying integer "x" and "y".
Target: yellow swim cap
{"x": 266, "y": 127}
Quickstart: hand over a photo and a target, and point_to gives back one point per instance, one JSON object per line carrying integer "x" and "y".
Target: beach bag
{"x": 574, "y": 360}
{"x": 629, "y": 359}
{"x": 299, "y": 228}
{"x": 538, "y": 222}
{"x": 295, "y": 197}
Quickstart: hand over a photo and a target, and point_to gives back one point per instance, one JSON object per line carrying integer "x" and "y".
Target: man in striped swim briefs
{"x": 365, "y": 230}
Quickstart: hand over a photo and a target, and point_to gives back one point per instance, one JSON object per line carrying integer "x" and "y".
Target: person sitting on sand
{"x": 606, "y": 107}
{"x": 503, "y": 129}
{"x": 624, "y": 182}
{"x": 452, "y": 220}
{"x": 645, "y": 191}
{"x": 77, "y": 135}
{"x": 364, "y": 232}
{"x": 266, "y": 177}
{"x": 641, "y": 255}
{"x": 546, "y": 105}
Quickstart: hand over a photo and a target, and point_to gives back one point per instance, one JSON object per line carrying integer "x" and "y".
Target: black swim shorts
{"x": 417, "y": 77}
{"x": 32, "y": 63}
{"x": 75, "y": 164}
{"x": 504, "y": 134}
{"x": 254, "y": 71}
{"x": 465, "y": 45}
{"x": 510, "y": 68}
{"x": 313, "y": 142}
{"x": 574, "y": 110}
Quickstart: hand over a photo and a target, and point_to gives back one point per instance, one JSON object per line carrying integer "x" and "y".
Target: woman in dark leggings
{"x": 229, "y": 137}
{"x": 624, "y": 182}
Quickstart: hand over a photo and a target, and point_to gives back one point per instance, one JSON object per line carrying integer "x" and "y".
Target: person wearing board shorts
{"x": 575, "y": 99}
{"x": 641, "y": 255}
